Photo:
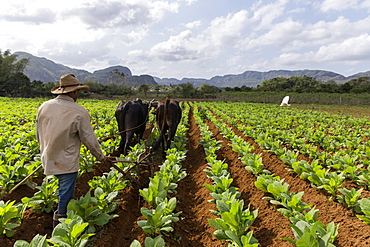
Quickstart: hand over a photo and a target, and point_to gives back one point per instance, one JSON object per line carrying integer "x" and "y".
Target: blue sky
{"x": 192, "y": 38}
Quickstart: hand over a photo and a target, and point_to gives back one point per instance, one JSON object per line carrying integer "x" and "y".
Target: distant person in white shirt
{"x": 285, "y": 101}
{"x": 61, "y": 126}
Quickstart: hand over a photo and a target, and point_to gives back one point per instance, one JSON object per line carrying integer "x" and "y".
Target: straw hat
{"x": 68, "y": 83}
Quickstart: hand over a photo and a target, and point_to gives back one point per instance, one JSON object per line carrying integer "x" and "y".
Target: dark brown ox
{"x": 168, "y": 116}
{"x": 131, "y": 118}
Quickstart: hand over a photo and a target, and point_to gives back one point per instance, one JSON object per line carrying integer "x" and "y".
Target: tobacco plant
{"x": 351, "y": 198}
{"x": 109, "y": 182}
{"x": 158, "y": 189}
{"x": 70, "y": 232}
{"x": 44, "y": 199}
{"x": 87, "y": 161}
{"x": 316, "y": 234}
{"x": 263, "y": 180}
{"x": 365, "y": 209}
{"x": 37, "y": 241}
{"x": 10, "y": 217}
{"x": 216, "y": 167}
{"x": 253, "y": 163}
{"x": 234, "y": 222}
{"x": 10, "y": 175}
{"x": 332, "y": 182}
{"x": 150, "y": 242}
{"x": 159, "y": 220}
{"x": 90, "y": 211}
{"x": 221, "y": 185}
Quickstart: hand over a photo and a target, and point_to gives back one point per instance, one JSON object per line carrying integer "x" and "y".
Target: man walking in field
{"x": 61, "y": 126}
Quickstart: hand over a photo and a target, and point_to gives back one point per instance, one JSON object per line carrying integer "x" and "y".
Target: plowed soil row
{"x": 193, "y": 229}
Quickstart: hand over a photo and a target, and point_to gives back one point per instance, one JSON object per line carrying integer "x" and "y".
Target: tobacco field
{"x": 237, "y": 174}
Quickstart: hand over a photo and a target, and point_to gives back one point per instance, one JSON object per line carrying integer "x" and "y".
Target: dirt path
{"x": 193, "y": 197}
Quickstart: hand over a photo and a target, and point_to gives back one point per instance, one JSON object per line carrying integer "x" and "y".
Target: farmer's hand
{"x": 107, "y": 160}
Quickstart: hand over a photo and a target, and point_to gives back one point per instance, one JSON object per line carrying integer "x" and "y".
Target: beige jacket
{"x": 61, "y": 126}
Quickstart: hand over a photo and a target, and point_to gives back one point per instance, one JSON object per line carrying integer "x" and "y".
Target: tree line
{"x": 14, "y": 83}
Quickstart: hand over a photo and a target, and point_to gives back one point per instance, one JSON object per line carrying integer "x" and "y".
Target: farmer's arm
{"x": 88, "y": 137}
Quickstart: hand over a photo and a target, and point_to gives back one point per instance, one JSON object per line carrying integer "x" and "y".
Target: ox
{"x": 131, "y": 118}
{"x": 167, "y": 116}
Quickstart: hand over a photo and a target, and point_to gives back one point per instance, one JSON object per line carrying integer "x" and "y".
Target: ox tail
{"x": 166, "y": 104}
{"x": 125, "y": 109}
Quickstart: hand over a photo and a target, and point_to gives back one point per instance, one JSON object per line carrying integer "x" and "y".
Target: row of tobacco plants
{"x": 234, "y": 220}
{"x": 159, "y": 195}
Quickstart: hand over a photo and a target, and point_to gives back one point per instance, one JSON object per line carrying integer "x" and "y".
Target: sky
{"x": 192, "y": 38}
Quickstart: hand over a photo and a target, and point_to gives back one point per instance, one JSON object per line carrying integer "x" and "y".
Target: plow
{"x": 139, "y": 164}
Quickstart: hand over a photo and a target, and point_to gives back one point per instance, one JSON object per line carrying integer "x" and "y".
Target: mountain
{"x": 48, "y": 71}
{"x": 45, "y": 70}
{"x": 254, "y": 78}
{"x": 362, "y": 74}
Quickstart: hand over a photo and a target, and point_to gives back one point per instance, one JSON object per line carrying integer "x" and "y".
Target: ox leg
{"x": 165, "y": 138}
{"x": 129, "y": 136}
{"x": 171, "y": 135}
{"x": 140, "y": 136}
{"x": 122, "y": 143}
{"x": 158, "y": 141}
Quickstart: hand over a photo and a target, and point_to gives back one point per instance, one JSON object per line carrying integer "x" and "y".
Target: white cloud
{"x": 223, "y": 31}
{"x": 37, "y": 16}
{"x": 227, "y": 30}
{"x": 115, "y": 14}
{"x": 266, "y": 14}
{"x": 193, "y": 24}
{"x": 190, "y": 2}
{"x": 352, "y": 49}
{"x": 93, "y": 13}
{"x": 293, "y": 35}
{"x": 328, "y": 5}
{"x": 132, "y": 37}
{"x": 365, "y": 4}
{"x": 280, "y": 35}
{"x": 176, "y": 48}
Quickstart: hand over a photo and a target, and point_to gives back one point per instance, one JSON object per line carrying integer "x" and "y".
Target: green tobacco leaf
{"x": 220, "y": 235}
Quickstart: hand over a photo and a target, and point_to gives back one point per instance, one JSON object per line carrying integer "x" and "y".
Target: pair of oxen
{"x": 132, "y": 117}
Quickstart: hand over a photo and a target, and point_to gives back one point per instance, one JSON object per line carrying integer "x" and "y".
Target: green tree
{"x": 144, "y": 88}
{"x": 9, "y": 67}
{"x": 94, "y": 87}
{"x": 20, "y": 85}
{"x": 187, "y": 90}
{"x": 245, "y": 88}
{"x": 297, "y": 84}
{"x": 208, "y": 90}
{"x": 126, "y": 91}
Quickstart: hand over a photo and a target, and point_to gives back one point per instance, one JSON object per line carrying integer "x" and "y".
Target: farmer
{"x": 61, "y": 126}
